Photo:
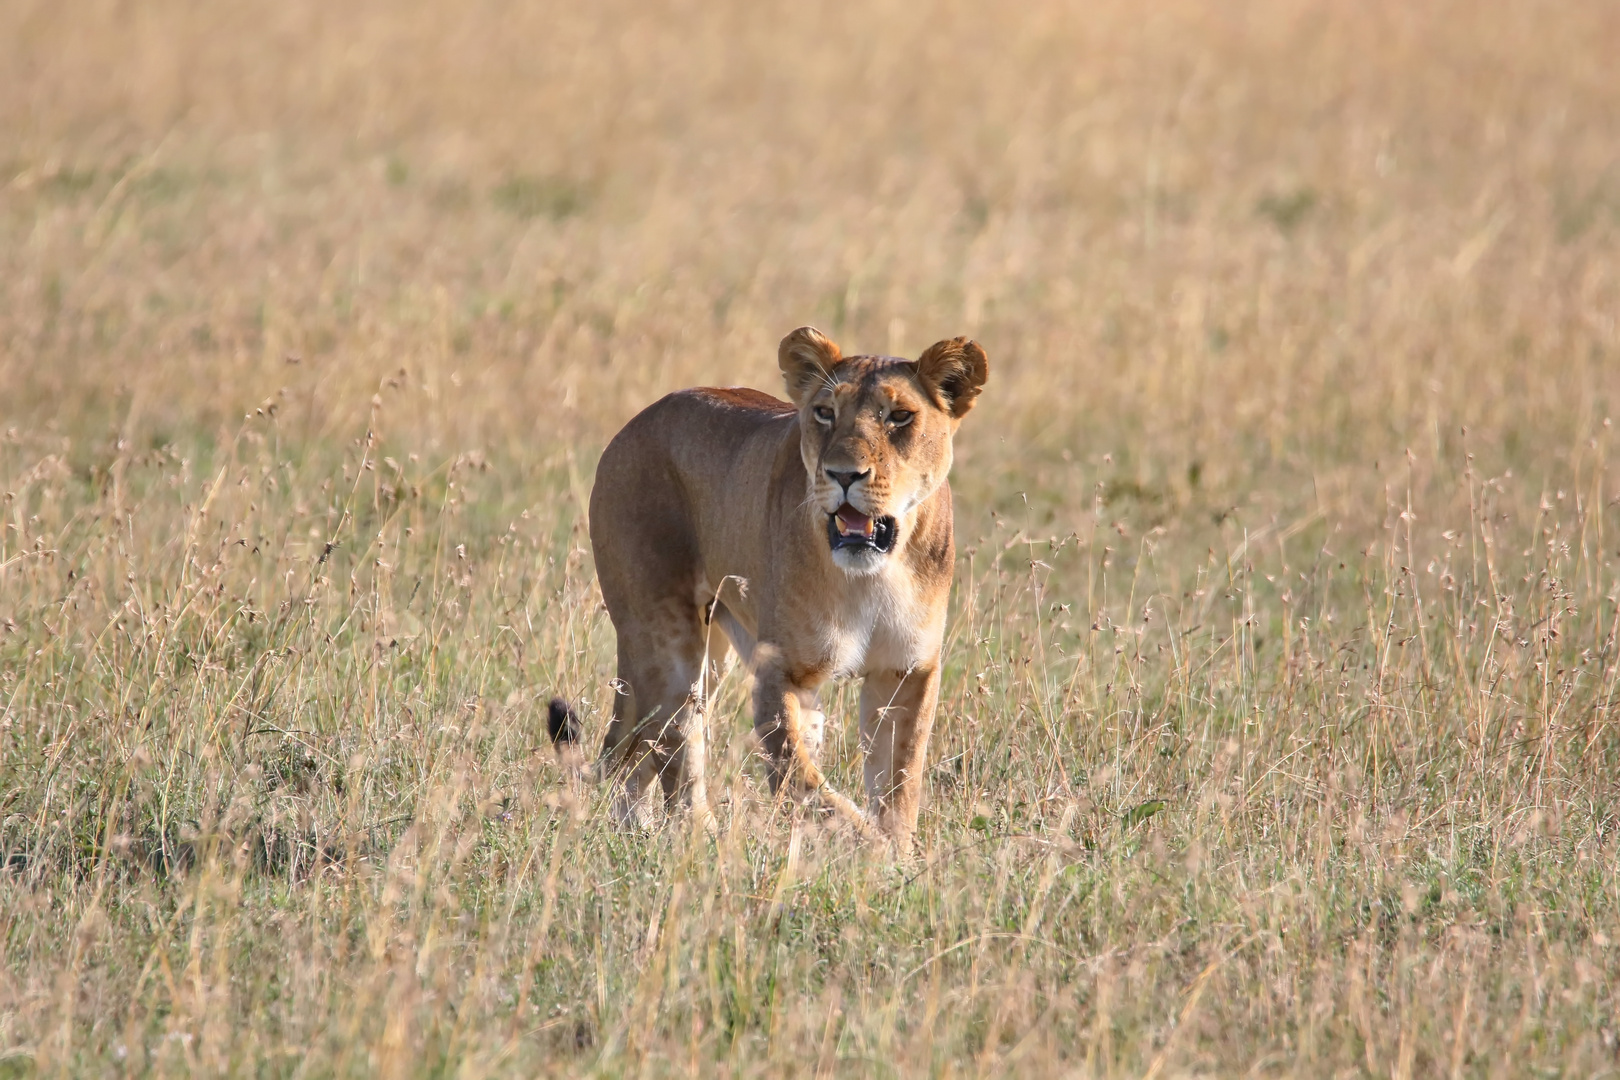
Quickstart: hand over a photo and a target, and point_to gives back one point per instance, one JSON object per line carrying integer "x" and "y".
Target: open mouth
{"x": 849, "y": 528}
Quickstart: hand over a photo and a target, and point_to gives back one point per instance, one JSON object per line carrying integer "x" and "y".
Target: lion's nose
{"x": 846, "y": 480}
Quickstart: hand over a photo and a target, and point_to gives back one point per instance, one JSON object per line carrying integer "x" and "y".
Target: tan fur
{"x": 712, "y": 507}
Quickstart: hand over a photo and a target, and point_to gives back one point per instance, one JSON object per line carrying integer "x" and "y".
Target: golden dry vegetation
{"x": 1279, "y": 730}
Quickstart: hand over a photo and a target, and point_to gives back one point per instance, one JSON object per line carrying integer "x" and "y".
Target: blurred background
{"x": 1208, "y": 240}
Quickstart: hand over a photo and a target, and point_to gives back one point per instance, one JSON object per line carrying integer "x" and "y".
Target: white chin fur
{"x": 858, "y": 560}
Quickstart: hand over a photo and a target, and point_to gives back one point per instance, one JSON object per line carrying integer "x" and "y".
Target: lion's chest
{"x": 878, "y": 623}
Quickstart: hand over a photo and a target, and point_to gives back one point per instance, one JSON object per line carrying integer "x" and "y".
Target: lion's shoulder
{"x": 704, "y": 434}
{"x": 702, "y": 415}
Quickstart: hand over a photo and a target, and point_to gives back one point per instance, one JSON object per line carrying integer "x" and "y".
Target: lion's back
{"x": 742, "y": 401}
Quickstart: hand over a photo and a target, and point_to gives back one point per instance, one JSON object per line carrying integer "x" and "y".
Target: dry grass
{"x": 1279, "y": 730}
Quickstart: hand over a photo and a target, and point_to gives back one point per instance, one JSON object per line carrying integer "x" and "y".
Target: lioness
{"x": 817, "y": 535}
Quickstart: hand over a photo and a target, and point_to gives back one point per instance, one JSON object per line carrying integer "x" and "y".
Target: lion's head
{"x": 875, "y": 435}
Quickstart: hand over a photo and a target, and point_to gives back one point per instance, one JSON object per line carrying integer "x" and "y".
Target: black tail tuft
{"x": 563, "y": 723}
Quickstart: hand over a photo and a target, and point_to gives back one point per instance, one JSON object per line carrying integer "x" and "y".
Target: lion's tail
{"x": 567, "y": 738}
{"x": 562, "y": 724}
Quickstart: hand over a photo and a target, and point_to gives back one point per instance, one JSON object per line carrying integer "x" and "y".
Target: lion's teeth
{"x": 851, "y": 522}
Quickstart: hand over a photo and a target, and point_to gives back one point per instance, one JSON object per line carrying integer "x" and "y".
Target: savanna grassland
{"x": 1279, "y": 728}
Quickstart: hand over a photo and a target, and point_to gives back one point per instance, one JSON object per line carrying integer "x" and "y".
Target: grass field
{"x": 1278, "y": 729}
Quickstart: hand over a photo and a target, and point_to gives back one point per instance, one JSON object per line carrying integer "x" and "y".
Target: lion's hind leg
{"x": 659, "y": 731}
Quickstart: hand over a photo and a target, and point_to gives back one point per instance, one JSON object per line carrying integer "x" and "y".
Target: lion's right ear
{"x": 807, "y": 359}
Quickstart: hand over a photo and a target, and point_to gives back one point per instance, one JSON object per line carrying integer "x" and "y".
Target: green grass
{"x": 1278, "y": 729}
{"x": 278, "y": 798}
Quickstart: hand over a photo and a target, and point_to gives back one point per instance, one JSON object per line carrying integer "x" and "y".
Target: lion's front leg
{"x": 897, "y": 714}
{"x": 789, "y": 727}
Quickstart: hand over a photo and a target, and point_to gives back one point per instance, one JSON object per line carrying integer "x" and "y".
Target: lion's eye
{"x": 824, "y": 414}
{"x": 901, "y": 417}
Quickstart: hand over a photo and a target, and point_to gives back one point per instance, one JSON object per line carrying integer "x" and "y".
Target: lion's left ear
{"x": 954, "y": 372}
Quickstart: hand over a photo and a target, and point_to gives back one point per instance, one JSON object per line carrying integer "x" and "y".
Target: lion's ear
{"x": 807, "y": 358}
{"x": 954, "y": 372}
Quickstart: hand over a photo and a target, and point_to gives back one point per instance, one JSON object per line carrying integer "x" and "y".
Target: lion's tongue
{"x": 851, "y": 522}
